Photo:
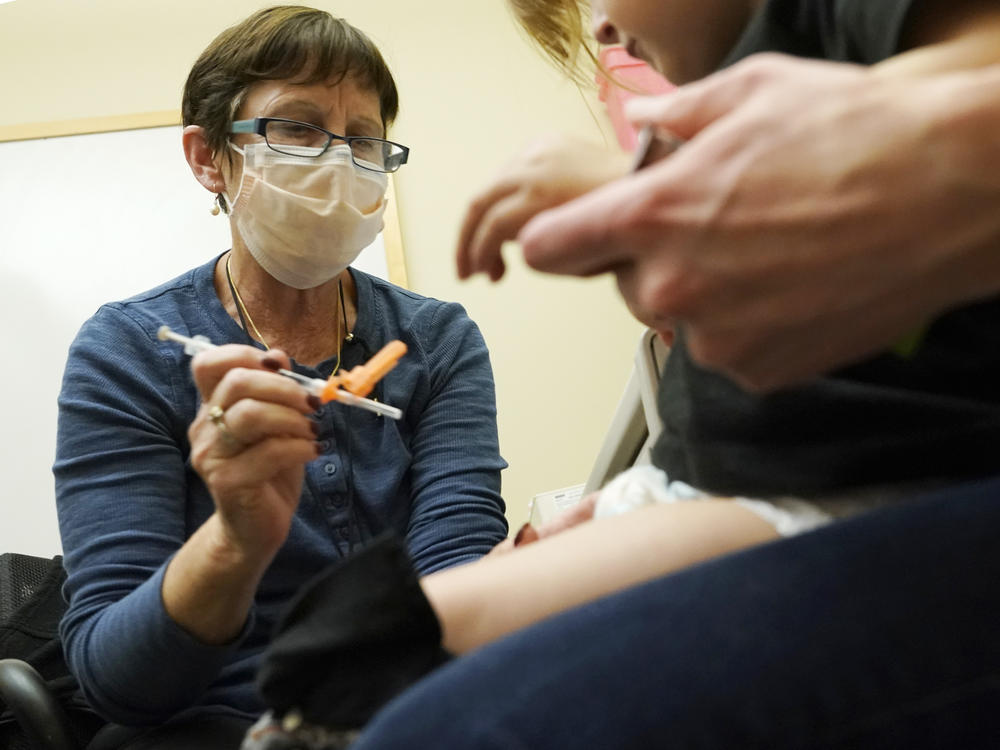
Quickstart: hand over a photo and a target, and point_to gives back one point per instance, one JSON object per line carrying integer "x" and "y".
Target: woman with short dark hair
{"x": 194, "y": 500}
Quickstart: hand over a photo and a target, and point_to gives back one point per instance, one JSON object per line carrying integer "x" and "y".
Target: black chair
{"x": 40, "y": 706}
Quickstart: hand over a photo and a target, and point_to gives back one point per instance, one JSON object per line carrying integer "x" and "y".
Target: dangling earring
{"x": 215, "y": 207}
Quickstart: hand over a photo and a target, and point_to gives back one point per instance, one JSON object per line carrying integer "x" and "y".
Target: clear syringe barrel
{"x": 195, "y": 344}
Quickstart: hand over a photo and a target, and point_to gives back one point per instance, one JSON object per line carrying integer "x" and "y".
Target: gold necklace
{"x": 241, "y": 308}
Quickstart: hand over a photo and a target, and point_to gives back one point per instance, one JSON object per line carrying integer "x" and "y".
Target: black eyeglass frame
{"x": 258, "y": 126}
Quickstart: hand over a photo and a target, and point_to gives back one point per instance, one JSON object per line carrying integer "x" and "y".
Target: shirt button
{"x": 325, "y": 445}
{"x": 330, "y": 469}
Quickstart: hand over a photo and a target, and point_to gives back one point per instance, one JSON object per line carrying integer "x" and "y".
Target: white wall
{"x": 472, "y": 92}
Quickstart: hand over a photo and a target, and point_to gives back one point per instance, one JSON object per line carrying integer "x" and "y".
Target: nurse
{"x": 195, "y": 499}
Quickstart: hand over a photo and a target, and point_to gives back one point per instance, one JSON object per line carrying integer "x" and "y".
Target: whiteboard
{"x": 84, "y": 220}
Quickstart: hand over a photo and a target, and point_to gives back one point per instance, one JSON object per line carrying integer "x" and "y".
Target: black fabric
{"x": 219, "y": 732}
{"x": 354, "y": 637}
{"x": 31, "y": 605}
{"x": 856, "y": 31}
{"x": 930, "y": 417}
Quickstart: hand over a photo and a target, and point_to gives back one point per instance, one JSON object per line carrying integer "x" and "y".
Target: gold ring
{"x": 218, "y": 416}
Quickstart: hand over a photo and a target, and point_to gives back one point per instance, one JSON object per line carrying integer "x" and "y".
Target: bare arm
{"x": 496, "y": 595}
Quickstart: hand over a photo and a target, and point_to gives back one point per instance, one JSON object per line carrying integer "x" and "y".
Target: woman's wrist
{"x": 209, "y": 585}
{"x": 229, "y": 552}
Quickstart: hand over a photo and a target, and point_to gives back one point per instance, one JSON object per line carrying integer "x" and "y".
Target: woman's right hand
{"x": 548, "y": 173}
{"x": 252, "y": 458}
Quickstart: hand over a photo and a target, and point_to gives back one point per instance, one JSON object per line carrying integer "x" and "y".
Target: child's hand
{"x": 548, "y": 173}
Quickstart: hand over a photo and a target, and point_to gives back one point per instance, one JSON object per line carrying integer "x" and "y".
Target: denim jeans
{"x": 878, "y": 632}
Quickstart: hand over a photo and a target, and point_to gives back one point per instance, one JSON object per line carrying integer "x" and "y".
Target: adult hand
{"x": 547, "y": 173}
{"x": 818, "y": 213}
{"x": 252, "y": 456}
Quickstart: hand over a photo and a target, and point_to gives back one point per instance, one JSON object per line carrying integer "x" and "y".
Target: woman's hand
{"x": 250, "y": 442}
{"x": 252, "y": 455}
{"x": 548, "y": 173}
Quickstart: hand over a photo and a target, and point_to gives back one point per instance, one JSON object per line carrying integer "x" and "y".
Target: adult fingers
{"x": 256, "y": 465}
{"x": 209, "y": 367}
{"x": 250, "y": 421}
{"x": 218, "y": 433}
{"x": 232, "y": 376}
{"x": 688, "y": 110}
{"x": 593, "y": 233}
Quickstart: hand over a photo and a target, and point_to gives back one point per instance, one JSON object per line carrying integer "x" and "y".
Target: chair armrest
{"x": 27, "y": 696}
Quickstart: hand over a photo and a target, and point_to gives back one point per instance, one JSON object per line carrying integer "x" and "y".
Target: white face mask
{"x": 306, "y": 220}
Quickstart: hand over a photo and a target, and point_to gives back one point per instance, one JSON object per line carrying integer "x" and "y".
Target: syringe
{"x": 316, "y": 386}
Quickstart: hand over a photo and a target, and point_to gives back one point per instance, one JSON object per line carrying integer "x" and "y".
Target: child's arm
{"x": 484, "y": 600}
{"x": 947, "y": 36}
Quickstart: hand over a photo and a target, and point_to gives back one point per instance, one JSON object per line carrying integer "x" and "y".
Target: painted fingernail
{"x": 519, "y": 537}
{"x": 313, "y": 400}
{"x": 271, "y": 364}
{"x": 314, "y": 426}
{"x": 319, "y": 447}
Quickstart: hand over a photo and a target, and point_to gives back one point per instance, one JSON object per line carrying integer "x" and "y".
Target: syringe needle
{"x": 366, "y": 403}
{"x": 195, "y": 344}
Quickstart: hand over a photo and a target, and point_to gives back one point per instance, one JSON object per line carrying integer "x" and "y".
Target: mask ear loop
{"x": 223, "y": 196}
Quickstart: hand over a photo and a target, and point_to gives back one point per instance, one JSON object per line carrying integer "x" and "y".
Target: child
{"x": 866, "y": 433}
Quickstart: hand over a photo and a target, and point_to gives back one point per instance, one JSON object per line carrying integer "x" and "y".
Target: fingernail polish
{"x": 318, "y": 447}
{"x": 313, "y": 400}
{"x": 314, "y": 426}
{"x": 271, "y": 364}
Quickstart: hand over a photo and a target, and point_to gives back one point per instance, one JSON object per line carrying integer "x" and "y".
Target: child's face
{"x": 683, "y": 39}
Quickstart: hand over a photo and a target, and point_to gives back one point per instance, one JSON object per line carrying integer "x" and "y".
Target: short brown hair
{"x": 282, "y": 42}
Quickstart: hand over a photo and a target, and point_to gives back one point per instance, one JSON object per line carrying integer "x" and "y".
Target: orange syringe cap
{"x": 361, "y": 379}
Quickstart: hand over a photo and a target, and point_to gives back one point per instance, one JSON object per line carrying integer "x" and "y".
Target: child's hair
{"x": 558, "y": 27}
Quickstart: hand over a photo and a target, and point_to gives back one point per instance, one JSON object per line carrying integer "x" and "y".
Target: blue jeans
{"x": 878, "y": 632}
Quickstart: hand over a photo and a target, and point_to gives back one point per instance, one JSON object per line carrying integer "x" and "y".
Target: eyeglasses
{"x": 308, "y": 141}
